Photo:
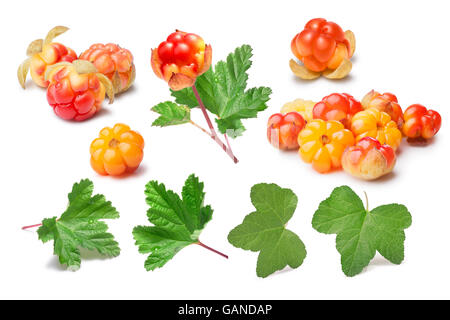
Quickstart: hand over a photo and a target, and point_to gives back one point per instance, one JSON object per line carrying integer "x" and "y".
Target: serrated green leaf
{"x": 171, "y": 114}
{"x": 206, "y": 86}
{"x": 223, "y": 91}
{"x": 186, "y": 96}
{"x": 361, "y": 233}
{"x": 254, "y": 101}
{"x": 232, "y": 80}
{"x": 232, "y": 127}
{"x": 265, "y": 230}
{"x": 193, "y": 198}
{"x": 79, "y": 227}
{"x": 162, "y": 244}
{"x": 177, "y": 222}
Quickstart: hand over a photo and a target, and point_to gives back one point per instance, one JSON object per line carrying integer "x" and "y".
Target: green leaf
{"x": 186, "y": 96}
{"x": 177, "y": 222}
{"x": 265, "y": 230}
{"x": 254, "y": 101}
{"x": 361, "y": 233}
{"x": 171, "y": 114}
{"x": 79, "y": 227}
{"x": 206, "y": 86}
{"x": 223, "y": 91}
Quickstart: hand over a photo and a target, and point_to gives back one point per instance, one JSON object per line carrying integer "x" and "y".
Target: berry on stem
{"x": 179, "y": 61}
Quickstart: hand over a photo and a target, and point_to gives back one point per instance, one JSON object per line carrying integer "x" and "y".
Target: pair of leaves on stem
{"x": 223, "y": 91}
{"x": 177, "y": 223}
{"x": 360, "y": 232}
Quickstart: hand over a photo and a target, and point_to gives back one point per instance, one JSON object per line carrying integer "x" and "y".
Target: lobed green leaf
{"x": 360, "y": 234}
{"x": 79, "y": 227}
{"x": 265, "y": 230}
{"x": 177, "y": 222}
{"x": 171, "y": 114}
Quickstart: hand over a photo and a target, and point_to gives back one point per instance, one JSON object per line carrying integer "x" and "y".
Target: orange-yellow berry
{"x": 376, "y": 124}
{"x": 117, "y": 151}
{"x": 322, "y": 143}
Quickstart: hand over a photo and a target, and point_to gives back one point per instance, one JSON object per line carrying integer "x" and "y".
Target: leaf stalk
{"x": 32, "y": 226}
{"x": 200, "y": 127}
{"x": 213, "y": 135}
{"x": 211, "y": 249}
{"x": 367, "y": 201}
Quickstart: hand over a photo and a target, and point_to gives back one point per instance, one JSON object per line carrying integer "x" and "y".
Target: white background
{"x": 402, "y": 47}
